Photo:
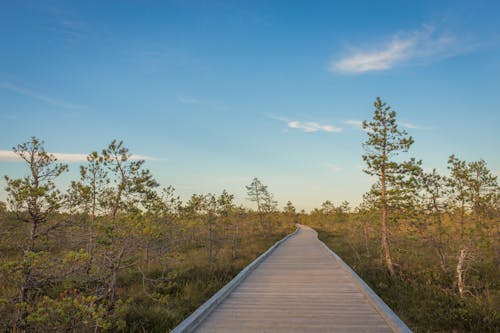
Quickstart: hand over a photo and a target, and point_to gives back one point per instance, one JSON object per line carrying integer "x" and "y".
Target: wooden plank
{"x": 301, "y": 287}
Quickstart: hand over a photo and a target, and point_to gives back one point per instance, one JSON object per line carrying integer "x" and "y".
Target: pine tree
{"x": 35, "y": 201}
{"x": 385, "y": 141}
{"x": 257, "y": 192}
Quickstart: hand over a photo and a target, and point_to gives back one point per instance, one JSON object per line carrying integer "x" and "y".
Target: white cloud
{"x": 41, "y": 97}
{"x": 354, "y": 123}
{"x": 412, "y": 126}
{"x": 375, "y": 60}
{"x": 312, "y": 126}
{"x": 308, "y": 126}
{"x": 10, "y": 156}
{"x": 358, "y": 124}
{"x": 421, "y": 44}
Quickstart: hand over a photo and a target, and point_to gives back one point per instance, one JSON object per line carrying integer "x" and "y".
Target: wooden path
{"x": 301, "y": 287}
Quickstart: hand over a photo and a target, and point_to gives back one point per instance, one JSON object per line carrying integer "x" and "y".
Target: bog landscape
{"x": 228, "y": 167}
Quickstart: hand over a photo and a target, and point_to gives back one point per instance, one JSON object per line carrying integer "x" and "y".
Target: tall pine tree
{"x": 385, "y": 141}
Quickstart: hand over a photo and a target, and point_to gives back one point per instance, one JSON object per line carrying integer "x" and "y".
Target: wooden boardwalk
{"x": 300, "y": 287}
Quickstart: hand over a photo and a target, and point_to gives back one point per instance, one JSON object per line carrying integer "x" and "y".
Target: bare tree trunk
{"x": 26, "y": 282}
{"x": 261, "y": 215}
{"x": 32, "y": 236}
{"x": 462, "y": 220}
{"x": 91, "y": 245}
{"x": 113, "y": 286}
{"x": 92, "y": 225}
{"x": 385, "y": 242}
{"x": 261, "y": 221}
{"x": 460, "y": 272}
{"x": 235, "y": 240}
{"x": 442, "y": 258}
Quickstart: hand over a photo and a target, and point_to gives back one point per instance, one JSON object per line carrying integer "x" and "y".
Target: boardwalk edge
{"x": 385, "y": 311}
{"x": 189, "y": 324}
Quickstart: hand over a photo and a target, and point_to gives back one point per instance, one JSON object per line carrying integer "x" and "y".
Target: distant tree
{"x": 342, "y": 211}
{"x": 225, "y": 210}
{"x": 225, "y": 204}
{"x": 434, "y": 194}
{"x": 211, "y": 208}
{"x": 194, "y": 206}
{"x": 86, "y": 195}
{"x": 289, "y": 208}
{"x": 458, "y": 184}
{"x": 258, "y": 193}
{"x": 484, "y": 186}
{"x": 213, "y": 212}
{"x": 133, "y": 185}
{"x": 290, "y": 212}
{"x": 3, "y": 215}
{"x": 328, "y": 207}
{"x": 269, "y": 205}
{"x": 240, "y": 214}
{"x": 130, "y": 189}
{"x": 165, "y": 205}
{"x": 385, "y": 141}
{"x": 474, "y": 188}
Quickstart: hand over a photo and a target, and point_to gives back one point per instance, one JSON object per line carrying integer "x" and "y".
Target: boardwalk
{"x": 301, "y": 287}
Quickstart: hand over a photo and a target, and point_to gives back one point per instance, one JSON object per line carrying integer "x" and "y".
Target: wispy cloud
{"x": 414, "y": 126}
{"x": 312, "y": 126}
{"x": 409, "y": 125}
{"x": 358, "y": 124}
{"x": 10, "y": 156}
{"x": 354, "y": 123}
{"x": 379, "y": 60}
{"x": 425, "y": 43}
{"x": 308, "y": 126}
{"x": 41, "y": 97}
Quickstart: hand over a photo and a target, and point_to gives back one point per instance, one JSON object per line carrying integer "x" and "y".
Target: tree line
{"x": 116, "y": 252}
{"x": 426, "y": 242}
{"x": 470, "y": 188}
{"x": 66, "y": 255}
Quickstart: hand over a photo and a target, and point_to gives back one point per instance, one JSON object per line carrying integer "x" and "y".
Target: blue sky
{"x": 219, "y": 92}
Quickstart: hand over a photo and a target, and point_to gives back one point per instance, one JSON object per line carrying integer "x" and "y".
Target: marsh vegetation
{"x": 116, "y": 252}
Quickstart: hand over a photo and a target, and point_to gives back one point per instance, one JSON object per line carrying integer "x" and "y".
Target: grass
{"x": 421, "y": 295}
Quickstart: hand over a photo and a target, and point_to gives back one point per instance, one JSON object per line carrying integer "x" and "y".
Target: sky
{"x": 215, "y": 93}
